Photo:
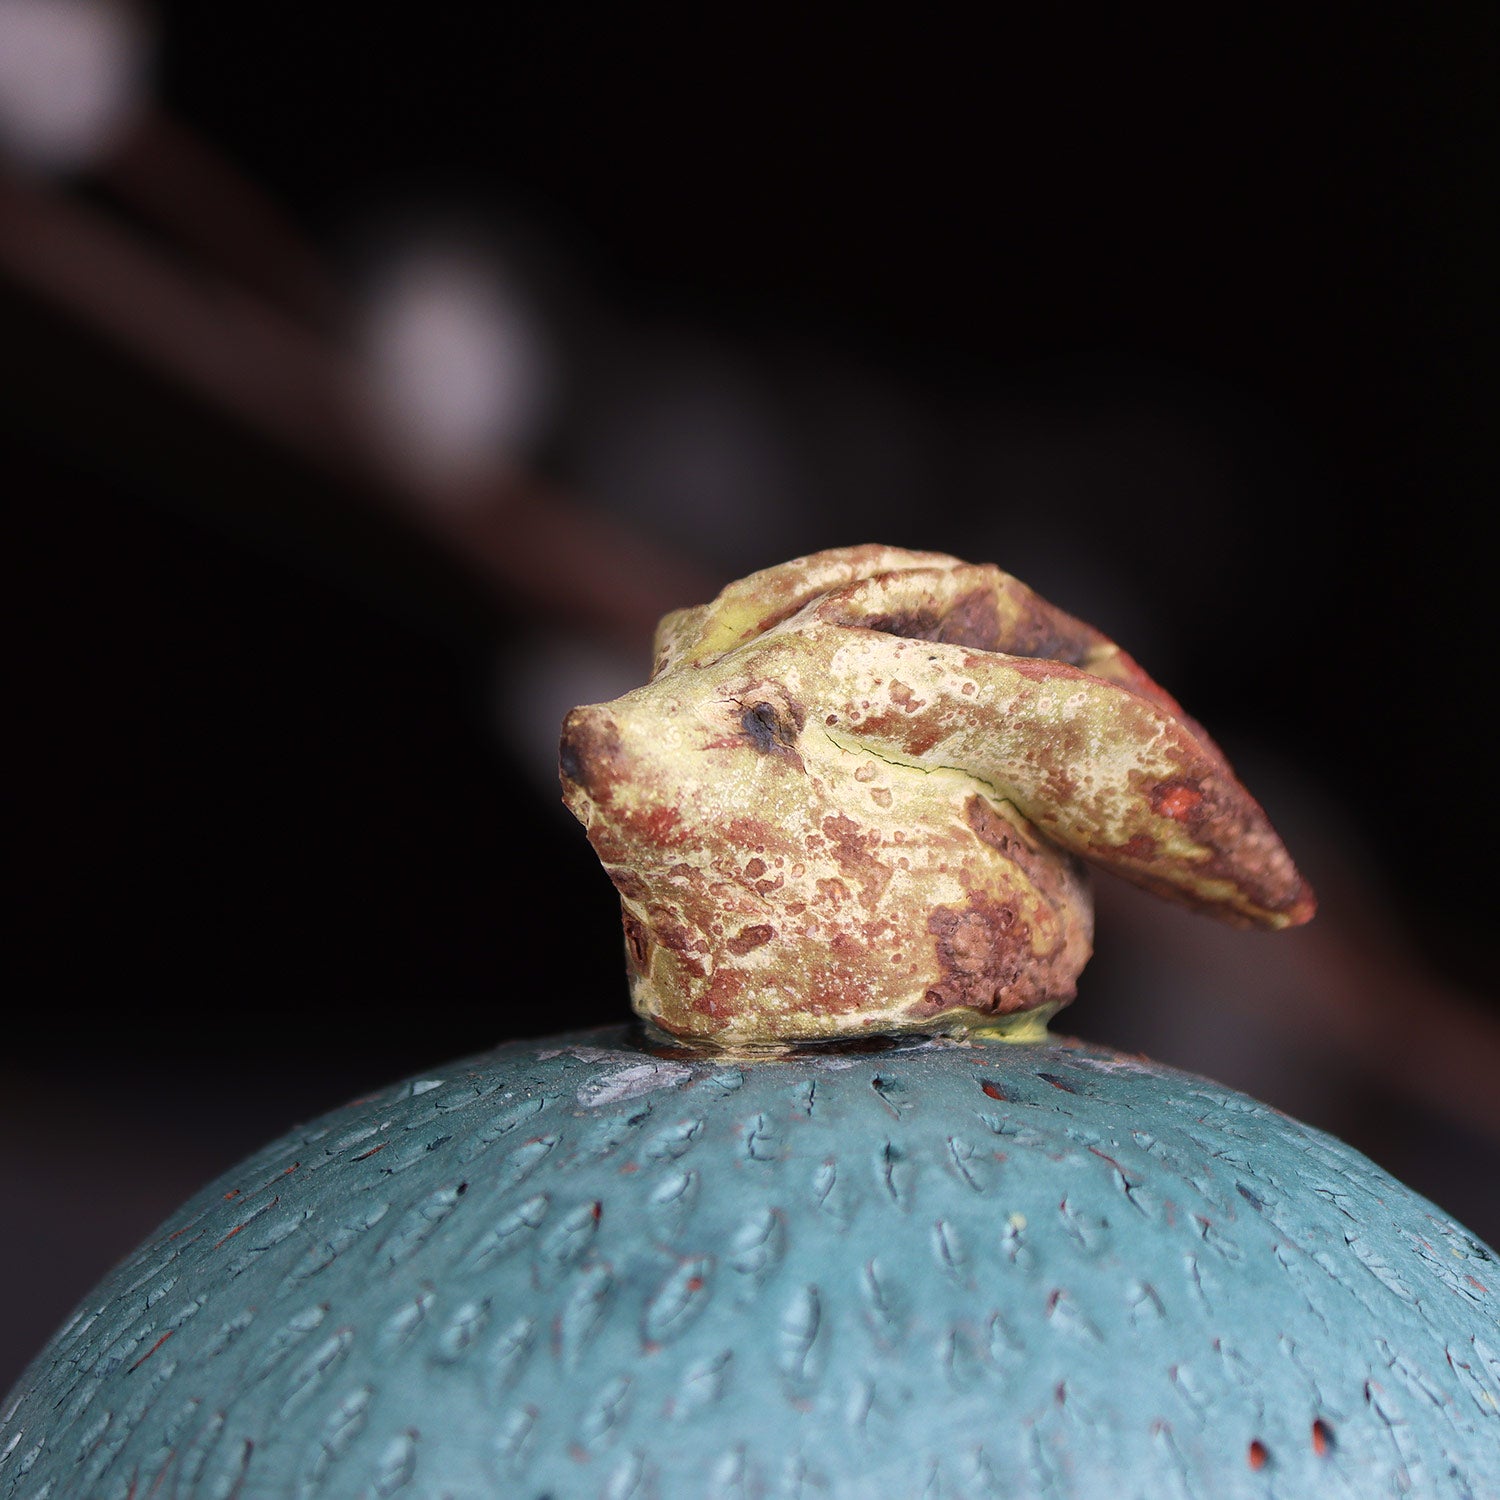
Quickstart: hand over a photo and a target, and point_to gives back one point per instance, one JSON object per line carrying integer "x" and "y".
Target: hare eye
{"x": 765, "y": 730}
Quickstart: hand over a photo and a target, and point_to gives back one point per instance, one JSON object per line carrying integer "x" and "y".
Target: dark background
{"x": 1193, "y": 329}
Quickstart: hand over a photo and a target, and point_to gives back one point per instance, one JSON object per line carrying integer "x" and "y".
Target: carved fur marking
{"x": 854, "y": 796}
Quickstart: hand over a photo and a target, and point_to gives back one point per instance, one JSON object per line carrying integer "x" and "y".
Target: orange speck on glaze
{"x": 152, "y": 1350}
{"x": 1176, "y": 800}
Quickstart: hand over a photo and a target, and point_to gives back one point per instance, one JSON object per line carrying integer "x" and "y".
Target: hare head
{"x": 855, "y": 795}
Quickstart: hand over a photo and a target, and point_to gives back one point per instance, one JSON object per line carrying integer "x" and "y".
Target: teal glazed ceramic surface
{"x": 579, "y": 1268}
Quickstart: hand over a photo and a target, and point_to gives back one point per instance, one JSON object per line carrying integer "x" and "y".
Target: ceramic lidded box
{"x": 836, "y": 1216}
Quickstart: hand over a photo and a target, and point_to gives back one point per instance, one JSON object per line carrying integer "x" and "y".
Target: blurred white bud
{"x": 73, "y": 74}
{"x": 458, "y": 367}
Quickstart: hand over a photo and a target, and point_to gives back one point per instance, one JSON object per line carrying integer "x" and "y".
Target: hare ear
{"x": 753, "y": 605}
{"x": 1107, "y": 770}
{"x": 965, "y": 604}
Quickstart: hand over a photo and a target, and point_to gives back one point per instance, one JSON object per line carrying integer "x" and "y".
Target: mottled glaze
{"x": 577, "y": 1268}
{"x": 855, "y": 795}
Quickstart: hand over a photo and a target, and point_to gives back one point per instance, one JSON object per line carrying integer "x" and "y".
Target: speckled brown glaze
{"x": 854, "y": 796}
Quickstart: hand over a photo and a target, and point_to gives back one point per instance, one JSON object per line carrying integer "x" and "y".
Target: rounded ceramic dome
{"x": 580, "y": 1268}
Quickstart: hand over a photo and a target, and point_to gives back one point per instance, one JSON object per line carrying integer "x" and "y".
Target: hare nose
{"x": 589, "y": 752}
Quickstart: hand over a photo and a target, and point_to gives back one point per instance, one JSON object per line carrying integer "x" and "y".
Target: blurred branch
{"x": 1346, "y": 986}
{"x": 1366, "y": 991}
{"x": 174, "y": 178}
{"x": 305, "y": 394}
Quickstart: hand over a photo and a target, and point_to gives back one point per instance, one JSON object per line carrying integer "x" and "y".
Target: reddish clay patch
{"x": 589, "y": 755}
{"x": 855, "y": 858}
{"x": 748, "y": 938}
{"x": 720, "y": 1000}
{"x": 1178, "y": 800}
{"x": 637, "y": 944}
{"x": 628, "y": 883}
{"x": 971, "y": 620}
{"x": 679, "y": 937}
{"x": 905, "y": 699}
{"x": 983, "y": 951}
{"x": 1047, "y": 867}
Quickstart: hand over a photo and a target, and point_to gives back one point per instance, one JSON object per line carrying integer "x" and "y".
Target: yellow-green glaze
{"x": 855, "y": 795}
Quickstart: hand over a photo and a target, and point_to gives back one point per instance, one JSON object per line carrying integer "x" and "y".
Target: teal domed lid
{"x": 582, "y": 1267}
